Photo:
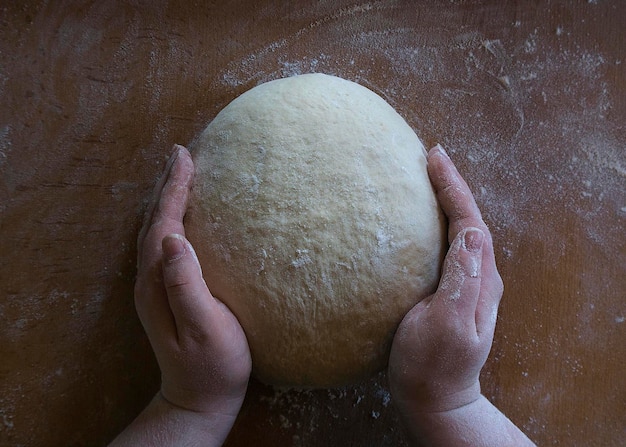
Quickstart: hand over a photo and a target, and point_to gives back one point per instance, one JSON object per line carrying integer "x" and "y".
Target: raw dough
{"x": 315, "y": 222}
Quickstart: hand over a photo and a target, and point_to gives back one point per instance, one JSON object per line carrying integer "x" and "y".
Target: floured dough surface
{"x": 315, "y": 222}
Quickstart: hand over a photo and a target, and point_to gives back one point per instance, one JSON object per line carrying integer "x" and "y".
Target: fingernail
{"x": 473, "y": 240}
{"x": 178, "y": 148}
{"x": 173, "y": 247}
{"x": 176, "y": 152}
{"x": 171, "y": 160}
{"x": 441, "y": 150}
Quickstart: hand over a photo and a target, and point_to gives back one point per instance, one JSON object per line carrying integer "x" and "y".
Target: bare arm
{"x": 443, "y": 342}
{"x": 164, "y": 424}
{"x": 477, "y": 424}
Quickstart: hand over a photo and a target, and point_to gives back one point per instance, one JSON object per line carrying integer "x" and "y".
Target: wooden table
{"x": 528, "y": 97}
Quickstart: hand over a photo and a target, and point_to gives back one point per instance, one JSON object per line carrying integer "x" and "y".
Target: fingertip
{"x": 473, "y": 239}
{"x": 438, "y": 164}
{"x": 174, "y": 247}
{"x": 438, "y": 150}
{"x": 182, "y": 150}
{"x": 185, "y": 161}
{"x": 470, "y": 242}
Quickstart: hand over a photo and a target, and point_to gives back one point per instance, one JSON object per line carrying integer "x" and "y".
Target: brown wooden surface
{"x": 529, "y": 98}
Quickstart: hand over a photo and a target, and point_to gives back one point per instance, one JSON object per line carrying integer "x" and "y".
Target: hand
{"x": 200, "y": 347}
{"x": 443, "y": 342}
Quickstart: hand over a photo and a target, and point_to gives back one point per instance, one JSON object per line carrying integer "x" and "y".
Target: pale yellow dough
{"x": 315, "y": 222}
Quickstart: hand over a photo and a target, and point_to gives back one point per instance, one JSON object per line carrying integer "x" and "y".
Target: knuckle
{"x": 177, "y": 287}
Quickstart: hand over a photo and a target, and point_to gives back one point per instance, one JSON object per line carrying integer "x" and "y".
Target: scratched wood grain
{"x": 528, "y": 97}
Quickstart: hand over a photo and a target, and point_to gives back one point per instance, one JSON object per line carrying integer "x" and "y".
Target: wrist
{"x": 213, "y": 424}
{"x": 228, "y": 402}
{"x": 476, "y": 423}
{"x": 437, "y": 399}
{"x": 165, "y": 424}
{"x": 220, "y": 408}
{"x": 435, "y": 424}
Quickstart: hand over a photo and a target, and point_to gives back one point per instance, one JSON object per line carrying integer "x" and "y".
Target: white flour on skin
{"x": 482, "y": 108}
{"x": 536, "y": 151}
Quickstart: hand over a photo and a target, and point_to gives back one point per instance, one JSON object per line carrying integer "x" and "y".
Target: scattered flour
{"x": 303, "y": 412}
{"x": 534, "y": 150}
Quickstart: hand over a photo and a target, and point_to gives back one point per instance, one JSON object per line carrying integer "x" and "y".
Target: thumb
{"x": 188, "y": 296}
{"x": 459, "y": 287}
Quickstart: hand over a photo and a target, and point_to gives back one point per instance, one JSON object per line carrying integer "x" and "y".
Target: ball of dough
{"x": 315, "y": 222}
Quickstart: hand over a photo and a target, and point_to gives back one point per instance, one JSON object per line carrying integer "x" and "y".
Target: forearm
{"x": 478, "y": 424}
{"x": 163, "y": 424}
